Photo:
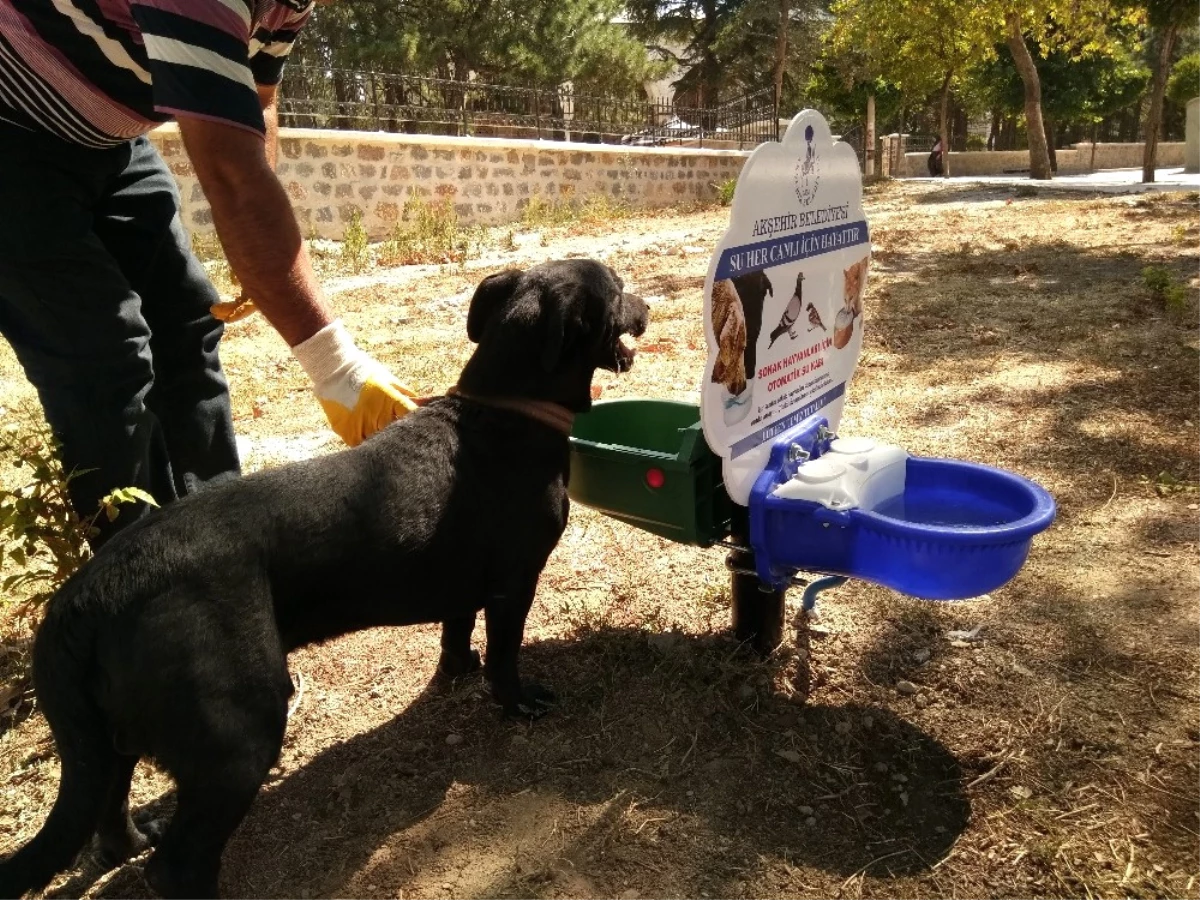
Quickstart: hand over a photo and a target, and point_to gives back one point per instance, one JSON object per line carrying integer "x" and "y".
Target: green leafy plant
{"x": 354, "y": 242}
{"x": 41, "y": 535}
{"x": 432, "y": 233}
{"x": 1164, "y": 288}
{"x": 1185, "y": 75}
{"x": 601, "y": 209}
{"x": 725, "y": 191}
{"x": 543, "y": 213}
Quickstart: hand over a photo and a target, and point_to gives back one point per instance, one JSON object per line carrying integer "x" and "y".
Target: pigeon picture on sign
{"x": 783, "y": 300}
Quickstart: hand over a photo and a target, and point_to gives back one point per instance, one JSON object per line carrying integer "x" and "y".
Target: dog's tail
{"x": 90, "y": 763}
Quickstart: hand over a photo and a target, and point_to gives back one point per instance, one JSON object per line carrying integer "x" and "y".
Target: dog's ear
{"x": 566, "y": 317}
{"x": 561, "y": 325}
{"x": 493, "y": 292}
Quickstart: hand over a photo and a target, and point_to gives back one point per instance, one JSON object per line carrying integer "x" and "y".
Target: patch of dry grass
{"x": 1055, "y": 754}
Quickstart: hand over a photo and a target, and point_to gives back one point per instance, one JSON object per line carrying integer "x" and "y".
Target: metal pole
{"x": 757, "y": 612}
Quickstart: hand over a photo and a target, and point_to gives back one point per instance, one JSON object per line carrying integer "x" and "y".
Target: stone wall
{"x": 1074, "y": 160}
{"x": 331, "y": 174}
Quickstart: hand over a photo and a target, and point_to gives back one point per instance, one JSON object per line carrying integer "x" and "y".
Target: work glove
{"x": 236, "y": 309}
{"x": 358, "y": 394}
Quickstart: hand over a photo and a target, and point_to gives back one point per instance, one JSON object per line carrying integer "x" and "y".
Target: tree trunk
{"x": 869, "y": 138}
{"x": 1092, "y": 161}
{"x": 1051, "y": 144}
{"x": 342, "y": 102}
{"x": 959, "y": 128}
{"x": 943, "y": 123}
{"x": 994, "y": 131}
{"x": 1039, "y": 155}
{"x": 1162, "y": 69}
{"x": 781, "y": 48}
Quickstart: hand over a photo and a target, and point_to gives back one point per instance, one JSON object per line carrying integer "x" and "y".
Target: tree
{"x": 1184, "y": 83}
{"x": 1085, "y": 89}
{"x": 910, "y": 39}
{"x": 1075, "y": 27}
{"x": 686, "y": 31}
{"x": 1166, "y": 18}
{"x": 513, "y": 41}
{"x": 843, "y": 98}
{"x": 769, "y": 41}
{"x": 916, "y": 43}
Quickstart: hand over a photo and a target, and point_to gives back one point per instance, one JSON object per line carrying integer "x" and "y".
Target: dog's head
{"x": 543, "y": 332}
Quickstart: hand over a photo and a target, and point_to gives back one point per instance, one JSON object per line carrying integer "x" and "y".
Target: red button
{"x": 655, "y": 478}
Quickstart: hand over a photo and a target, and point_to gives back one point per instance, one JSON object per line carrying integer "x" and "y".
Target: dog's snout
{"x": 637, "y": 314}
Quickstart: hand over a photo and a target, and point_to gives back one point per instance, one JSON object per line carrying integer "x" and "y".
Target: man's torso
{"x": 99, "y": 72}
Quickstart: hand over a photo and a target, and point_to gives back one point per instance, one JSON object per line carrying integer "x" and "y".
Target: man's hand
{"x": 262, "y": 241}
{"x": 358, "y": 394}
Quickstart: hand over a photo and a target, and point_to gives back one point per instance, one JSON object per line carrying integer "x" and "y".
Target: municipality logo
{"x": 807, "y": 175}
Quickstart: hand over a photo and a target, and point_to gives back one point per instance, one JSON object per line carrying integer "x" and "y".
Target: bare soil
{"x": 1055, "y": 754}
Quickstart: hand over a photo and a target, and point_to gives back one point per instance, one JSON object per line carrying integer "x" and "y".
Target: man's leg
{"x": 75, "y": 323}
{"x": 139, "y": 224}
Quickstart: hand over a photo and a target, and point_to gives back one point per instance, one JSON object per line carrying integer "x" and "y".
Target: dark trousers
{"x": 107, "y": 310}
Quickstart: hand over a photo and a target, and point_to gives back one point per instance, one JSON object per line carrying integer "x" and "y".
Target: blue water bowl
{"x": 937, "y": 529}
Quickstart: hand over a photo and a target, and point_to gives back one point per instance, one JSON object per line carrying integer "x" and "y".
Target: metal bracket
{"x": 728, "y": 544}
{"x": 797, "y": 453}
{"x": 794, "y": 581}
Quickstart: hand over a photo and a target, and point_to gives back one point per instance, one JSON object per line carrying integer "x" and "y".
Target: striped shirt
{"x": 100, "y": 72}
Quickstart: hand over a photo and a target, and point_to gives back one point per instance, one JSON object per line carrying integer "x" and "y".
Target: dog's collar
{"x": 550, "y": 414}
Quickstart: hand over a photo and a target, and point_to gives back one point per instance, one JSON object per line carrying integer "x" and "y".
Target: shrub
{"x": 354, "y": 242}
{"x": 1185, "y": 78}
{"x": 432, "y": 233}
{"x": 41, "y": 535}
{"x": 1164, "y": 288}
{"x": 725, "y": 191}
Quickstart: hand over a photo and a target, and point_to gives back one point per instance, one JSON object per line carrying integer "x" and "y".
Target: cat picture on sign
{"x": 854, "y": 286}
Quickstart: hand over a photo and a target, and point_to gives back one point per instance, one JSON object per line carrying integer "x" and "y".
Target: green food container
{"x": 646, "y": 463}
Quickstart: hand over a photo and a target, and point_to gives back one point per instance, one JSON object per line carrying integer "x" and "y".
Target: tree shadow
{"x": 1014, "y": 327}
{"x": 969, "y": 191}
{"x": 688, "y": 726}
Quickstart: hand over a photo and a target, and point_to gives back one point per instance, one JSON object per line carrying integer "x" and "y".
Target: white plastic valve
{"x": 855, "y": 472}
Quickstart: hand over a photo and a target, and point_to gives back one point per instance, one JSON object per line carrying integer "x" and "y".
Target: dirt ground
{"x": 1054, "y": 754}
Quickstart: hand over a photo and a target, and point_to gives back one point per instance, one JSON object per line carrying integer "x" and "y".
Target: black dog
{"x": 172, "y": 642}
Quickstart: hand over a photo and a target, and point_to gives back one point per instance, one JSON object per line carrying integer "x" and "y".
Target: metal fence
{"x": 312, "y": 97}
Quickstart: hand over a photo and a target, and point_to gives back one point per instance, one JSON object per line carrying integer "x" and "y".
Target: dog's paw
{"x": 533, "y": 703}
{"x": 152, "y": 828}
{"x": 453, "y": 665}
{"x": 117, "y": 849}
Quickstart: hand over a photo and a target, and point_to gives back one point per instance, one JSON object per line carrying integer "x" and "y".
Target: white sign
{"x": 783, "y": 297}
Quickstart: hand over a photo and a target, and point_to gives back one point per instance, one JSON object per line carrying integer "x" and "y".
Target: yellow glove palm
{"x": 359, "y": 395}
